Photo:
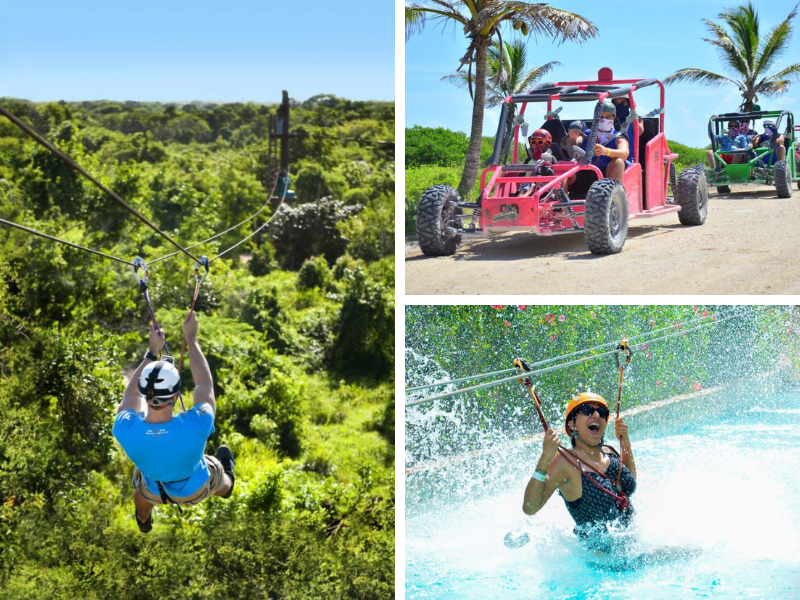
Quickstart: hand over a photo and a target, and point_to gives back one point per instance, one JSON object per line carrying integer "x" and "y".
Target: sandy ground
{"x": 749, "y": 244}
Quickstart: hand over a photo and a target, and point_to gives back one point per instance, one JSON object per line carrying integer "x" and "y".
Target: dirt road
{"x": 750, "y": 244}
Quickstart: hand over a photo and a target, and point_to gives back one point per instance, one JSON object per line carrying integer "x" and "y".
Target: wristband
{"x": 539, "y": 475}
{"x": 150, "y": 356}
{"x": 609, "y": 152}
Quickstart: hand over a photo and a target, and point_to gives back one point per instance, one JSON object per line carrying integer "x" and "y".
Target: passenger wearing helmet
{"x": 168, "y": 450}
{"x": 611, "y": 147}
{"x": 579, "y": 474}
{"x": 733, "y": 139}
{"x": 539, "y": 144}
{"x": 766, "y": 137}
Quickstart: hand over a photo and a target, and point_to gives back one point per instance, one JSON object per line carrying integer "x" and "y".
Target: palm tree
{"x": 506, "y": 73}
{"x": 746, "y": 55}
{"x": 482, "y": 21}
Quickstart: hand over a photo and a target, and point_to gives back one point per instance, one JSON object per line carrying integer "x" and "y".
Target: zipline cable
{"x": 277, "y": 210}
{"x": 569, "y": 363}
{"x": 66, "y": 243}
{"x": 75, "y": 166}
{"x": 708, "y": 318}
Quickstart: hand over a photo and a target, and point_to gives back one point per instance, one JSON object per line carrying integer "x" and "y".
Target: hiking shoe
{"x": 147, "y": 525}
{"x": 225, "y": 457}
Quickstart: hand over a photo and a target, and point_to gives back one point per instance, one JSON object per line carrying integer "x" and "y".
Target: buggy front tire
{"x": 435, "y": 220}
{"x": 605, "y": 220}
{"x": 692, "y": 196}
{"x": 783, "y": 179}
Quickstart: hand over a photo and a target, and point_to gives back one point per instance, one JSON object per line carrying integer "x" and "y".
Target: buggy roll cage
{"x": 572, "y": 91}
{"x": 714, "y": 125}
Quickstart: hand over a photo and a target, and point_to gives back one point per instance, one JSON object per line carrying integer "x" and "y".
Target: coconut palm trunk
{"x": 473, "y": 158}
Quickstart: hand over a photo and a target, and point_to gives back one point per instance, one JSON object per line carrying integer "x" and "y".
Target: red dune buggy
{"x": 567, "y": 193}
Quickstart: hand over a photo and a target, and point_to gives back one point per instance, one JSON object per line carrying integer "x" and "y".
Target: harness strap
{"x": 166, "y": 498}
{"x": 620, "y": 500}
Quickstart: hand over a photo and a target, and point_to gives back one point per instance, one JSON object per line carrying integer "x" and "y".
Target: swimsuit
{"x": 594, "y": 509}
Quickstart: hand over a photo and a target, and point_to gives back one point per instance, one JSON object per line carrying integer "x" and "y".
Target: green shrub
{"x": 315, "y": 273}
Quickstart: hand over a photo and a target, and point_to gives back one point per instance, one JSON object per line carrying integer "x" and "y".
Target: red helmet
{"x": 541, "y": 134}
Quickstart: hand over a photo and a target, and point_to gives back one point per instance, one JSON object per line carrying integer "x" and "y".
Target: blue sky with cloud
{"x": 635, "y": 39}
{"x": 181, "y": 50}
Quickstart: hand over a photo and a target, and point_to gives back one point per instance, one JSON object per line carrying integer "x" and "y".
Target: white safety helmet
{"x": 159, "y": 382}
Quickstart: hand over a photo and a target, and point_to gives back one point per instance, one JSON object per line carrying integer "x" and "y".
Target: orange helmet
{"x": 583, "y": 398}
{"x": 541, "y": 134}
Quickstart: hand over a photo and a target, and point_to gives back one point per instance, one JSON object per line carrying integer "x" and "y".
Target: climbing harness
{"x": 620, "y": 499}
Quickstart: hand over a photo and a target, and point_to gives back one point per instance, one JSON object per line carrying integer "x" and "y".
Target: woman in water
{"x": 588, "y": 476}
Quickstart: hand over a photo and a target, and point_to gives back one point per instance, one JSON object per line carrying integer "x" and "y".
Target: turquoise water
{"x": 718, "y": 513}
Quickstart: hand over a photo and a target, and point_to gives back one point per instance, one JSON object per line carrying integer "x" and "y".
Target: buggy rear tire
{"x": 723, "y": 189}
{"x": 783, "y": 179}
{"x": 692, "y": 196}
{"x": 605, "y": 217}
{"x": 435, "y": 219}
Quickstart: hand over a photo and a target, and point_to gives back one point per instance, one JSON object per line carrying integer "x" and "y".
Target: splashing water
{"x": 717, "y": 510}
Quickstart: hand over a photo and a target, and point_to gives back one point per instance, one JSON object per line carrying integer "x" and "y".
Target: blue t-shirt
{"x": 172, "y": 452}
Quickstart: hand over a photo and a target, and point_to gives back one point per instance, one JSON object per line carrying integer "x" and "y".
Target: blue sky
{"x": 177, "y": 50}
{"x": 636, "y": 40}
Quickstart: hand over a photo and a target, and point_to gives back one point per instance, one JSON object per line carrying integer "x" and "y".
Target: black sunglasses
{"x": 588, "y": 410}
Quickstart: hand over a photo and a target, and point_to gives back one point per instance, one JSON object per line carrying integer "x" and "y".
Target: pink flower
{"x": 591, "y": 313}
{"x": 648, "y": 355}
{"x": 497, "y": 306}
{"x": 713, "y": 318}
{"x": 562, "y": 318}
{"x": 506, "y": 323}
{"x": 652, "y": 322}
{"x": 658, "y": 382}
{"x": 522, "y": 306}
{"x": 552, "y": 337}
{"x": 644, "y": 346}
{"x": 697, "y": 386}
{"x": 683, "y": 380}
{"x": 705, "y": 313}
{"x": 694, "y": 308}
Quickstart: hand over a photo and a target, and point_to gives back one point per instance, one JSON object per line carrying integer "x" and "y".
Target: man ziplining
{"x": 168, "y": 450}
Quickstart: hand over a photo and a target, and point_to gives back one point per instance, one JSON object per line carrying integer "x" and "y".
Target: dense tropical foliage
{"x": 297, "y": 325}
{"x": 748, "y": 55}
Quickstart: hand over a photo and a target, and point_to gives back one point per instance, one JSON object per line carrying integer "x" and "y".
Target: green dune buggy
{"x": 759, "y": 162}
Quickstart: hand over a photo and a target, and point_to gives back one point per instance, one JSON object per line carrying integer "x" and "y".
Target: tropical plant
{"x": 507, "y": 72}
{"x": 747, "y": 55}
{"x": 482, "y": 20}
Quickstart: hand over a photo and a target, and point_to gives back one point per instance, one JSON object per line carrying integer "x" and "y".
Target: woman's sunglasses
{"x": 588, "y": 410}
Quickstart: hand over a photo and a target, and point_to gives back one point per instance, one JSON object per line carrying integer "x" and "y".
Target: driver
{"x": 540, "y": 142}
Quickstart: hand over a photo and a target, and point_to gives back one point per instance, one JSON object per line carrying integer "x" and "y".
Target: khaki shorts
{"x": 216, "y": 482}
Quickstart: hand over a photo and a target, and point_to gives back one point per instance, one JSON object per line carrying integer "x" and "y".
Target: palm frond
{"x": 744, "y": 24}
{"x": 792, "y": 72}
{"x": 535, "y": 75}
{"x": 417, "y": 15}
{"x": 776, "y": 43}
{"x": 700, "y": 76}
{"x": 730, "y": 56}
{"x": 541, "y": 20}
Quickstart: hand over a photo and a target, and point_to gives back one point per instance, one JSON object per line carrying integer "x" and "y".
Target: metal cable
{"x": 75, "y": 166}
{"x": 66, "y": 243}
{"x": 557, "y": 358}
{"x": 523, "y": 374}
{"x": 283, "y": 197}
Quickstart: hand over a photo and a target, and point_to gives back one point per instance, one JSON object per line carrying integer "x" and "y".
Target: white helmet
{"x": 159, "y": 382}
